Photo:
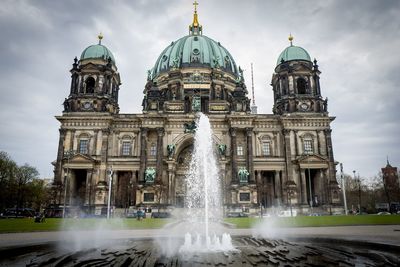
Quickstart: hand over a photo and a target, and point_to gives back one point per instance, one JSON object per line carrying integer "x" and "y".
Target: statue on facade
{"x": 221, "y": 149}
{"x": 66, "y": 105}
{"x": 150, "y": 175}
{"x": 170, "y": 150}
{"x": 190, "y": 127}
{"x": 326, "y": 105}
{"x": 216, "y": 62}
{"x": 175, "y": 62}
{"x": 243, "y": 175}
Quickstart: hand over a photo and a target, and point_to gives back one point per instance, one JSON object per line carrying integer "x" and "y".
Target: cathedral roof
{"x": 293, "y": 53}
{"x": 195, "y": 50}
{"x": 97, "y": 51}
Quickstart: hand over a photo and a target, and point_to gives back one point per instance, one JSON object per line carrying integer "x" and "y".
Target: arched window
{"x": 301, "y": 86}
{"x": 83, "y": 143}
{"x": 126, "y": 145}
{"x": 240, "y": 150}
{"x": 284, "y": 86}
{"x": 153, "y": 150}
{"x": 308, "y": 146}
{"x": 266, "y": 146}
{"x": 90, "y": 83}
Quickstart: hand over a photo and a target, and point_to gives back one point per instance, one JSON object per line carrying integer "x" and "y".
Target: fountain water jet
{"x": 203, "y": 195}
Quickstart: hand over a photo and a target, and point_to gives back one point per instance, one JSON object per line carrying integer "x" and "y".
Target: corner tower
{"x": 296, "y": 83}
{"x": 95, "y": 82}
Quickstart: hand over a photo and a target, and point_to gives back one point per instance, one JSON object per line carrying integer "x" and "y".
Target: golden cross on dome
{"x": 195, "y": 5}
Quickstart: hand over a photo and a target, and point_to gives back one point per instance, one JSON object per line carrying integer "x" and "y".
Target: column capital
{"x": 62, "y": 131}
{"x": 286, "y": 131}
{"x": 144, "y": 130}
{"x": 249, "y": 131}
{"x": 160, "y": 131}
{"x": 232, "y": 131}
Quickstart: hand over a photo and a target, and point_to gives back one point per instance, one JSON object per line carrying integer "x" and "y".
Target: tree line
{"x": 366, "y": 194}
{"x": 20, "y": 186}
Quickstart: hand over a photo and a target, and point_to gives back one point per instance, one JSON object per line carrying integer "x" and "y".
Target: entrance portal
{"x": 311, "y": 181}
{"x": 78, "y": 188}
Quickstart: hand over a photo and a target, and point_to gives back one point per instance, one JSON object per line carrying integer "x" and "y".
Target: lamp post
{"x": 343, "y": 189}
{"x": 359, "y": 193}
{"x": 359, "y": 190}
{"x": 68, "y": 154}
{"x": 110, "y": 172}
{"x": 290, "y": 189}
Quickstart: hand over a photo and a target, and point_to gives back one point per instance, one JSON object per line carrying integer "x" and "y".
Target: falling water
{"x": 203, "y": 195}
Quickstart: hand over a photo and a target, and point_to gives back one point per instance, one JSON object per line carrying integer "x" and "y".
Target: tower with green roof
{"x": 296, "y": 84}
{"x": 95, "y": 81}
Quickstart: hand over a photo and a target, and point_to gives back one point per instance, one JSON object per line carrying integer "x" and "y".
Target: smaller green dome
{"x": 97, "y": 51}
{"x": 293, "y": 53}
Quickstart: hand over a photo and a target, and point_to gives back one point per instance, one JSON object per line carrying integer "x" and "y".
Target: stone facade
{"x": 288, "y": 155}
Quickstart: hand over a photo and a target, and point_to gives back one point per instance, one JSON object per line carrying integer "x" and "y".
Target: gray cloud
{"x": 355, "y": 42}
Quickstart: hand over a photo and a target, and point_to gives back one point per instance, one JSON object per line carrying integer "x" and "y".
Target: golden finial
{"x": 100, "y": 36}
{"x": 195, "y": 28}
{"x": 290, "y": 39}
{"x": 195, "y": 19}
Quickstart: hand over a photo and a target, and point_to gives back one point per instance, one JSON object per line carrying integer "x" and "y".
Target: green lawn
{"x": 28, "y": 225}
{"x": 316, "y": 221}
{"x": 52, "y": 224}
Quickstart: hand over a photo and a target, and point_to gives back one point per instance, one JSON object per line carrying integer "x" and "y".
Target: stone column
{"x": 296, "y": 145}
{"x": 171, "y": 198}
{"x": 329, "y": 151}
{"x": 89, "y": 189}
{"x": 160, "y": 153}
{"x": 249, "y": 159}
{"x": 318, "y": 143}
{"x": 114, "y": 188}
{"x": 278, "y": 188}
{"x": 132, "y": 188}
{"x": 259, "y": 186}
{"x": 104, "y": 145}
{"x": 143, "y": 153}
{"x": 60, "y": 156}
{"x": 287, "y": 155}
{"x": 303, "y": 187}
{"x": 234, "y": 155}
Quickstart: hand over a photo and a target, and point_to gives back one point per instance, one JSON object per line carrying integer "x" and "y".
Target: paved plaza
{"x": 383, "y": 234}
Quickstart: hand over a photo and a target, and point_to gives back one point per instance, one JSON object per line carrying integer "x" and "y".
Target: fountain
{"x": 203, "y": 197}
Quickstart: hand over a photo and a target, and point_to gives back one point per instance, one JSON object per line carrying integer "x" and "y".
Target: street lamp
{"x": 68, "y": 154}
{"x": 110, "y": 172}
{"x": 343, "y": 189}
{"x": 290, "y": 190}
{"x": 358, "y": 181}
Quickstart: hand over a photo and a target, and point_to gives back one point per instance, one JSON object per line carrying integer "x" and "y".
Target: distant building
{"x": 285, "y": 158}
{"x": 391, "y": 184}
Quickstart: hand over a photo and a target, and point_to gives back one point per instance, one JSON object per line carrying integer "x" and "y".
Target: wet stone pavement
{"x": 250, "y": 252}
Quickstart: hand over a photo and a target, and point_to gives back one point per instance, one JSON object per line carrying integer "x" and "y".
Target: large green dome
{"x": 293, "y": 53}
{"x": 97, "y": 51}
{"x": 195, "y": 51}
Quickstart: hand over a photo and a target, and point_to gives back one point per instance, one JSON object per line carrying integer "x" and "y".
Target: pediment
{"x": 81, "y": 158}
{"x": 312, "y": 162}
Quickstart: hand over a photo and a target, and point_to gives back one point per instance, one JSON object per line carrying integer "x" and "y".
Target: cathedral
{"x": 284, "y": 159}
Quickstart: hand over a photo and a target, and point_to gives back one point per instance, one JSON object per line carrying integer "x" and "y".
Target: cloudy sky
{"x": 355, "y": 42}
